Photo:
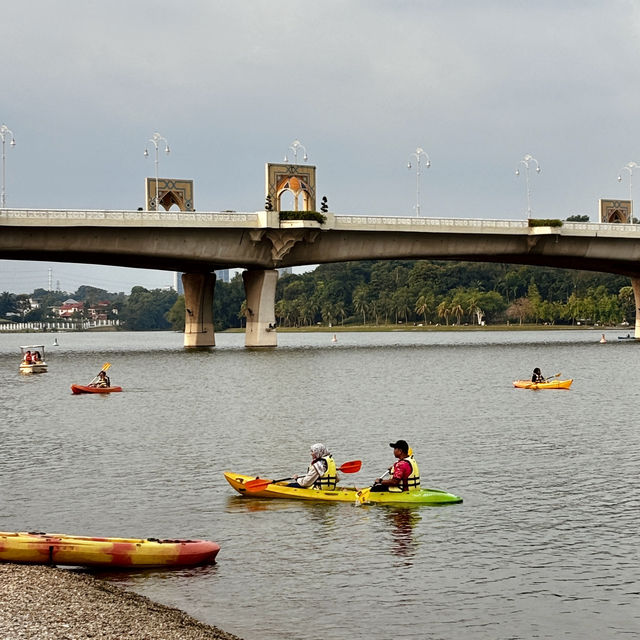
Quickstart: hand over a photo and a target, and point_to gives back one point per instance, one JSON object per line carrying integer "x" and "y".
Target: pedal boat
{"x": 341, "y": 494}
{"x": 550, "y": 384}
{"x": 33, "y": 367}
{"x": 132, "y": 553}
{"x": 78, "y": 388}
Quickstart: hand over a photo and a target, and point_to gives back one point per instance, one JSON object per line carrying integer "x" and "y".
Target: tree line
{"x": 374, "y": 293}
{"x": 424, "y": 292}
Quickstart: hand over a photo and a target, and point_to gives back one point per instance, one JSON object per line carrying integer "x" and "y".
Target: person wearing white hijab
{"x": 319, "y": 464}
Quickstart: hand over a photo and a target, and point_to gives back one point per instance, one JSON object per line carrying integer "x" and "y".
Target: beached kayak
{"x": 78, "y": 388}
{"x": 550, "y": 384}
{"x": 341, "y": 494}
{"x": 53, "y": 548}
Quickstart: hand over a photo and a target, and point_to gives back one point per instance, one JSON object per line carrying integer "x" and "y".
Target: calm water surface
{"x": 545, "y": 544}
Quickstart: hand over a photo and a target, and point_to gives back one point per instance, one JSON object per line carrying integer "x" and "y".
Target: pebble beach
{"x": 47, "y": 603}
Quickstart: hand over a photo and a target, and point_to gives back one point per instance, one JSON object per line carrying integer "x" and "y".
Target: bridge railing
{"x": 262, "y": 219}
{"x": 64, "y": 217}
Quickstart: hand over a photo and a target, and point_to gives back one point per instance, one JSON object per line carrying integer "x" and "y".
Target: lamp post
{"x": 5, "y": 132}
{"x": 526, "y": 161}
{"x": 418, "y": 154}
{"x": 295, "y": 146}
{"x": 155, "y": 140}
{"x": 629, "y": 167}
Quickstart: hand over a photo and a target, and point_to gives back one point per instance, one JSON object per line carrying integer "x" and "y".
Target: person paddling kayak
{"x": 103, "y": 380}
{"x": 322, "y": 472}
{"x": 537, "y": 376}
{"x": 405, "y": 474}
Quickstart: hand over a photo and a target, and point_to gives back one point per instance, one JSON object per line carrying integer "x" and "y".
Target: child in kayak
{"x": 537, "y": 375}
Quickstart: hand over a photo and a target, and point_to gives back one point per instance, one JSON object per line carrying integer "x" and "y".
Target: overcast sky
{"x": 361, "y": 83}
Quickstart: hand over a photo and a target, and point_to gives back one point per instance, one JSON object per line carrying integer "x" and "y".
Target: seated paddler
{"x": 322, "y": 473}
{"x": 404, "y": 474}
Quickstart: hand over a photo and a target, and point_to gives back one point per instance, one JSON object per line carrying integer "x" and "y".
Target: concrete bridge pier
{"x": 260, "y": 289}
{"x": 198, "y": 315}
{"x": 635, "y": 283}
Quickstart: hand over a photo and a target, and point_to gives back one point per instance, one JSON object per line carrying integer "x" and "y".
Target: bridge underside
{"x": 206, "y": 250}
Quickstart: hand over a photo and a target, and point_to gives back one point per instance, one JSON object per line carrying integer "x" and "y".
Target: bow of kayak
{"x": 341, "y": 494}
{"x": 43, "y": 548}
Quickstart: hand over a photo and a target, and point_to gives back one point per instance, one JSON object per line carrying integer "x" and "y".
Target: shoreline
{"x": 40, "y": 601}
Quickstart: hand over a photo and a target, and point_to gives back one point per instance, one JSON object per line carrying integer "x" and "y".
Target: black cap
{"x": 401, "y": 444}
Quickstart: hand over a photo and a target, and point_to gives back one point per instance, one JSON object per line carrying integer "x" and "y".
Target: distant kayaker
{"x": 103, "y": 381}
{"x": 322, "y": 473}
{"x": 405, "y": 474}
{"x": 537, "y": 376}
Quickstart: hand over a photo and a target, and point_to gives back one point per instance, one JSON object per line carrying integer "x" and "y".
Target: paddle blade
{"x": 258, "y": 484}
{"x": 353, "y": 466}
{"x": 105, "y": 366}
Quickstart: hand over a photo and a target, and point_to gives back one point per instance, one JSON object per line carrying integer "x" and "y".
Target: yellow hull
{"x": 551, "y": 384}
{"x": 340, "y": 494}
{"x": 54, "y": 548}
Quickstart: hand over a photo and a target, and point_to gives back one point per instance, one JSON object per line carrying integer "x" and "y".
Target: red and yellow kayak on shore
{"x": 340, "y": 494}
{"x": 78, "y": 388}
{"x": 132, "y": 553}
{"x": 549, "y": 384}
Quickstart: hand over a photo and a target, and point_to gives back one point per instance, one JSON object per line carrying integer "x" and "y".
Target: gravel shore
{"x": 47, "y": 603}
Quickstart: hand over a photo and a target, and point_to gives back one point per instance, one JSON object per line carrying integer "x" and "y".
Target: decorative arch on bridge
{"x": 297, "y": 179}
{"x": 170, "y": 192}
{"x": 616, "y": 211}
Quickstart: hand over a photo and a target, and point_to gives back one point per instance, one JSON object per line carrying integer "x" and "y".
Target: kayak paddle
{"x": 258, "y": 484}
{"x": 363, "y": 495}
{"x": 552, "y": 377}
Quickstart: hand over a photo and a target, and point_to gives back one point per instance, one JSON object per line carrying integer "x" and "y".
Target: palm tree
{"x": 457, "y": 311}
{"x": 421, "y": 307}
{"x": 360, "y": 302}
{"x": 444, "y": 311}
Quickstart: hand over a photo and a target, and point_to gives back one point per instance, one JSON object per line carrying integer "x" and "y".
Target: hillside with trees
{"x": 370, "y": 293}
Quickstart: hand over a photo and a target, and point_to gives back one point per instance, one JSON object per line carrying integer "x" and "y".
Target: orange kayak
{"x": 132, "y": 553}
{"x": 549, "y": 384}
{"x": 78, "y": 388}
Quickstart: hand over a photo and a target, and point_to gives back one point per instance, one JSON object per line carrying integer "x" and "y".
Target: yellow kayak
{"x": 549, "y": 384}
{"x": 54, "y": 548}
{"x": 340, "y": 494}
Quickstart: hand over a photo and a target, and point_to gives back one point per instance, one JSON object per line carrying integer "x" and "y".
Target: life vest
{"x": 413, "y": 481}
{"x": 329, "y": 479}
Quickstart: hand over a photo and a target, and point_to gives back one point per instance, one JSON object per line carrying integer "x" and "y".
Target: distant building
{"x": 68, "y": 308}
{"x": 284, "y": 270}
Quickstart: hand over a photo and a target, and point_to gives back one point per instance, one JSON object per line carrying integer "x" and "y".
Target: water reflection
{"x": 402, "y": 522}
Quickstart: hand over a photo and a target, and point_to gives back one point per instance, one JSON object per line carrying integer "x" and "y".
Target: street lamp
{"x": 629, "y": 167}
{"x": 155, "y": 140}
{"x": 418, "y": 154}
{"x": 295, "y": 145}
{"x": 526, "y": 161}
{"x": 4, "y": 133}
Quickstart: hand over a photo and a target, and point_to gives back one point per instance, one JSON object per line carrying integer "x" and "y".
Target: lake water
{"x": 545, "y": 544}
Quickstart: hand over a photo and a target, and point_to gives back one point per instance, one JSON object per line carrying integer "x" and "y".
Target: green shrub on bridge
{"x": 303, "y": 215}
{"x": 544, "y": 222}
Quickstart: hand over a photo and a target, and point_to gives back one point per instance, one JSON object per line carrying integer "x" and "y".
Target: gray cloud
{"x": 361, "y": 84}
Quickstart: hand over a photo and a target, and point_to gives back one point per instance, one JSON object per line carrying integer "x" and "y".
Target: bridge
{"x": 198, "y": 244}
